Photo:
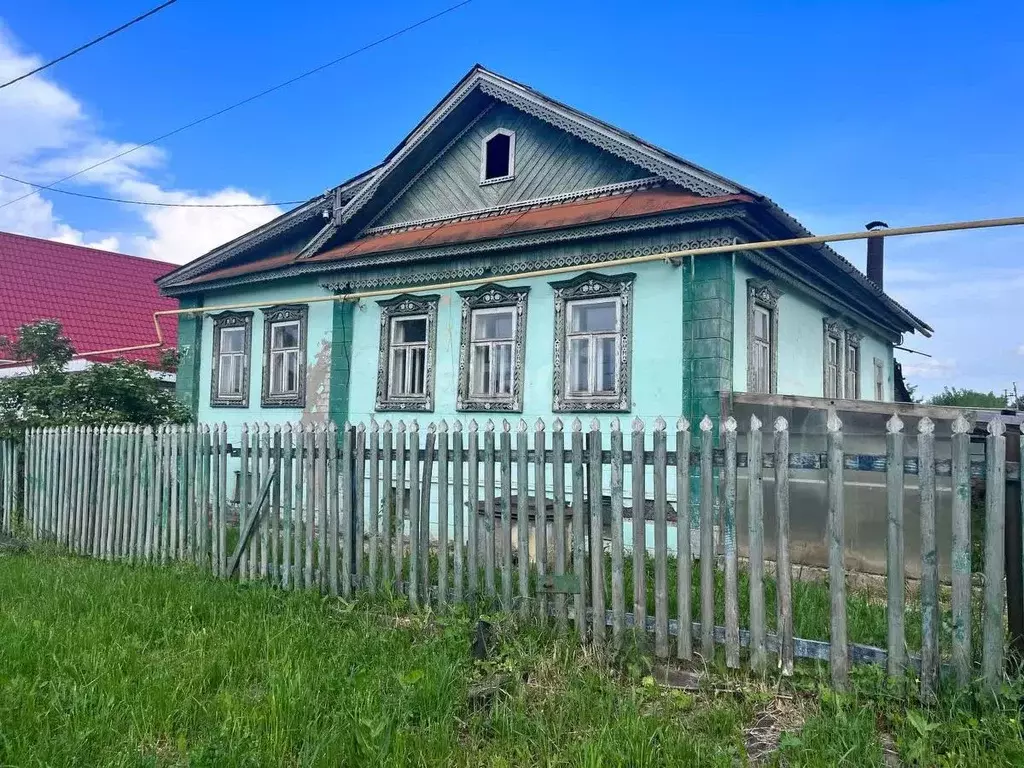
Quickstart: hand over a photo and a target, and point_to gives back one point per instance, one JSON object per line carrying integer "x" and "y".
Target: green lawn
{"x": 104, "y": 664}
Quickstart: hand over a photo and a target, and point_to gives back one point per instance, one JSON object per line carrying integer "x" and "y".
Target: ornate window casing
{"x": 284, "y": 356}
{"x": 762, "y": 336}
{"x": 229, "y": 372}
{"x": 593, "y": 343}
{"x": 492, "y": 349}
{"x": 832, "y": 366}
{"x": 498, "y": 156}
{"x": 408, "y": 343}
{"x": 851, "y": 369}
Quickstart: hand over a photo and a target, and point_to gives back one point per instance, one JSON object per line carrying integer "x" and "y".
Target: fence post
{"x": 540, "y": 514}
{"x": 660, "y": 539}
{"x": 732, "y": 608}
{"x": 579, "y": 506}
{"x": 332, "y": 508}
{"x": 639, "y": 520}
{"x": 838, "y": 654}
{"x": 1014, "y": 554}
{"x": 373, "y": 443}
{"x": 596, "y": 510}
{"x": 505, "y": 451}
{"x": 414, "y": 515}
{"x": 487, "y": 539}
{"x": 523, "y": 515}
{"x": 707, "y": 555}
{"x": 929, "y": 561}
{"x": 558, "y": 489}
{"x": 995, "y": 520}
{"x": 442, "y": 514}
{"x": 684, "y": 559}
{"x": 894, "y": 570}
{"x": 783, "y": 570}
{"x": 755, "y": 533}
{"x": 618, "y": 581}
{"x": 473, "y": 517}
{"x": 459, "y": 511}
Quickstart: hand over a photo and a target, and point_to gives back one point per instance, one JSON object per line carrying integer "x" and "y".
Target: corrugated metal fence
{"x": 509, "y": 518}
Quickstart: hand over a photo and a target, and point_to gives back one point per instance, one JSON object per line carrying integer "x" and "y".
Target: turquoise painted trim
{"x": 342, "y": 326}
{"x": 188, "y": 382}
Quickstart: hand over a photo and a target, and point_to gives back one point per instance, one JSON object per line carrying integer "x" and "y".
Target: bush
{"x": 49, "y": 396}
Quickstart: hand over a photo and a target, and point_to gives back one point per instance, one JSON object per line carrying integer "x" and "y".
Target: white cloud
{"x": 47, "y": 133}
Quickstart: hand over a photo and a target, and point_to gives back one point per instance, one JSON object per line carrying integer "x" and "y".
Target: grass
{"x": 105, "y": 664}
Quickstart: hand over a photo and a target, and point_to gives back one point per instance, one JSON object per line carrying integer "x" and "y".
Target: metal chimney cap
{"x": 876, "y": 225}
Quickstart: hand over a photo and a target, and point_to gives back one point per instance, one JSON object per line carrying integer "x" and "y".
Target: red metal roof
{"x": 104, "y": 300}
{"x": 641, "y": 202}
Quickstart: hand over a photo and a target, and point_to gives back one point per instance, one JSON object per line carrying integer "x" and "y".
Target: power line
{"x": 91, "y": 43}
{"x": 237, "y": 104}
{"x": 149, "y": 202}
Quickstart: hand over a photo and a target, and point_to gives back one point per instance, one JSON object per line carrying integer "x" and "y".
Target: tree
{"x": 49, "y": 396}
{"x": 968, "y": 398}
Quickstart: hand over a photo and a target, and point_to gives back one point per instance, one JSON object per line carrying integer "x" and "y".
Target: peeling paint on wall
{"x": 318, "y": 384}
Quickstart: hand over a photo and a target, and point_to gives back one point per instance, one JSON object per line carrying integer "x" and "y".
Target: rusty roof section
{"x": 634, "y": 204}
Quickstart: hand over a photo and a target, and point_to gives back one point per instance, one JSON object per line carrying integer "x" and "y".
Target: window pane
{"x": 606, "y": 365}
{"x": 481, "y": 369}
{"x": 498, "y": 156}
{"x": 291, "y": 379}
{"x": 284, "y": 335}
{"x": 419, "y": 364}
{"x": 397, "y": 371}
{"x": 503, "y": 374}
{"x": 410, "y": 330}
{"x": 761, "y": 324}
{"x": 276, "y": 373}
{"x": 762, "y": 369}
{"x": 492, "y": 325}
{"x": 232, "y": 339}
{"x": 593, "y": 317}
{"x": 224, "y": 384}
{"x": 579, "y": 365}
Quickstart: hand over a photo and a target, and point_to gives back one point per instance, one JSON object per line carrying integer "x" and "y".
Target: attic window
{"x": 497, "y": 162}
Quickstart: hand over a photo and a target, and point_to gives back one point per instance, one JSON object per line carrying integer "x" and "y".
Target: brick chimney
{"x": 876, "y": 254}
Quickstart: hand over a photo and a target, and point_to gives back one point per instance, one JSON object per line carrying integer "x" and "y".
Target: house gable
{"x": 548, "y": 162}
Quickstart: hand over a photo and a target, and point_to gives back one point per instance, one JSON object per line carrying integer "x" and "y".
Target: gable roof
{"x": 354, "y": 204}
{"x": 104, "y": 300}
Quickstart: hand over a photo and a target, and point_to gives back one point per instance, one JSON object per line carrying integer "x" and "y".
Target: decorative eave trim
{"x": 731, "y": 212}
{"x": 604, "y": 190}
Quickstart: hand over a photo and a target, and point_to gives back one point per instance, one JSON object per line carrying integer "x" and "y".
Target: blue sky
{"x": 842, "y": 112}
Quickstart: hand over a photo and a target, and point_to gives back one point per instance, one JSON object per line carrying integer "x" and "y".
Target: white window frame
{"x": 406, "y": 307}
{"x": 276, "y": 317}
{"x": 832, "y": 335}
{"x": 494, "y": 375}
{"x": 851, "y": 378}
{"x": 592, "y": 394}
{"x": 230, "y": 322}
{"x": 592, "y": 288}
{"x": 409, "y": 349}
{"x": 763, "y": 295}
{"x": 486, "y": 299}
{"x": 511, "y": 156}
{"x": 285, "y": 353}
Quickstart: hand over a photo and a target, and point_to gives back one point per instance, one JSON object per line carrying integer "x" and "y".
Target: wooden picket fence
{"x": 353, "y": 509}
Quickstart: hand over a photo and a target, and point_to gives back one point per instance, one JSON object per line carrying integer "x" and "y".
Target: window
{"x": 284, "y": 356}
{"x": 852, "y": 389}
{"x": 762, "y": 336}
{"x": 498, "y": 154}
{"x": 229, "y": 380}
{"x": 833, "y": 341}
{"x": 491, "y": 352}
{"x": 405, "y": 376}
{"x": 592, "y": 343}
{"x": 879, "y": 380}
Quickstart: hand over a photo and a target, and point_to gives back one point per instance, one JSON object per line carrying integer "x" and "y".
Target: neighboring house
{"x": 103, "y": 300}
{"x": 496, "y": 182}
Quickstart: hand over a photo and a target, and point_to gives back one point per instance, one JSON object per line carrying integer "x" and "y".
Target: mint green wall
{"x": 657, "y": 387}
{"x": 318, "y": 356}
{"x": 548, "y": 161}
{"x": 801, "y": 346}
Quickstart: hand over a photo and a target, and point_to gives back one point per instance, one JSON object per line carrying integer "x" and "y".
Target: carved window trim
{"x": 764, "y": 294}
{"x": 222, "y": 321}
{"x": 832, "y": 331}
{"x": 285, "y": 313}
{"x": 493, "y": 296}
{"x": 585, "y": 287}
{"x": 852, "y": 347}
{"x": 406, "y": 305}
{"x": 511, "y": 157}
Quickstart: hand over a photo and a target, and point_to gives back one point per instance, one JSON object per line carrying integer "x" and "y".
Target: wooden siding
{"x": 548, "y": 162}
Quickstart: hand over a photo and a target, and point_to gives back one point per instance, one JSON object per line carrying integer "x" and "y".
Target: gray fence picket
{"x": 487, "y": 520}
{"x": 388, "y": 507}
{"x": 639, "y": 523}
{"x": 660, "y": 540}
{"x": 838, "y": 654}
{"x": 707, "y": 555}
{"x": 359, "y": 481}
{"x": 895, "y": 572}
{"x": 732, "y": 605}
{"x": 618, "y": 545}
{"x": 961, "y": 555}
{"x": 540, "y": 516}
{"x": 505, "y": 505}
{"x": 414, "y": 515}
{"x": 755, "y": 546}
{"x": 442, "y": 514}
{"x": 684, "y": 559}
{"x": 333, "y": 492}
{"x": 287, "y": 505}
{"x": 929, "y": 561}
{"x": 783, "y": 569}
{"x": 422, "y": 511}
{"x": 458, "y": 513}
{"x": 596, "y": 549}
{"x": 995, "y": 522}
{"x": 558, "y": 493}
{"x": 579, "y": 505}
{"x": 523, "y": 515}
{"x": 373, "y": 559}
{"x": 473, "y": 518}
